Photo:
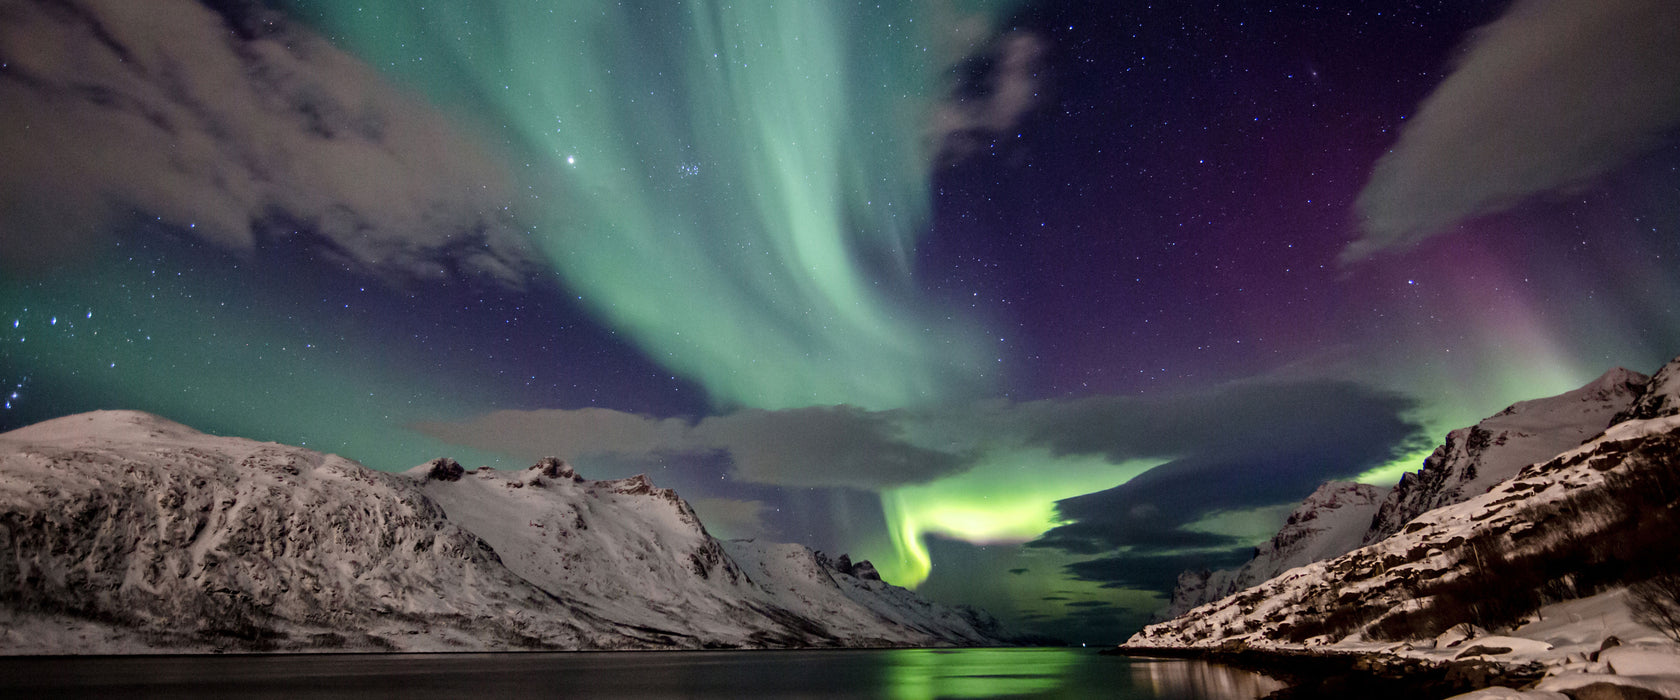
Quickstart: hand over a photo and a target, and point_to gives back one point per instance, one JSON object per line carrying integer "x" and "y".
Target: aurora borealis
{"x": 775, "y": 155}
{"x": 1034, "y": 304}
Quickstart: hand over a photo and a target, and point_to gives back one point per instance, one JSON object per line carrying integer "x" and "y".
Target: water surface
{"x": 902, "y": 674}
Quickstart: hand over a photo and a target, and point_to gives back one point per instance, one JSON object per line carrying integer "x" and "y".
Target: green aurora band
{"x": 737, "y": 186}
{"x": 1007, "y": 498}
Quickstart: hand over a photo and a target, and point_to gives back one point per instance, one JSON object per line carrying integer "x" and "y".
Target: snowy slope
{"x": 1660, "y": 398}
{"x": 852, "y": 598}
{"x": 1329, "y": 522}
{"x": 1381, "y": 576}
{"x": 1591, "y": 644}
{"x": 122, "y": 532}
{"x": 176, "y": 538}
{"x": 1472, "y": 460}
{"x": 632, "y": 552}
{"x": 1475, "y": 458}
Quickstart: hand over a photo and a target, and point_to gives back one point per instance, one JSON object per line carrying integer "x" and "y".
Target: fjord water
{"x": 905, "y": 674}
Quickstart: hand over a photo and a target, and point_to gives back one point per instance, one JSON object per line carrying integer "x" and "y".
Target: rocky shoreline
{"x": 1312, "y": 675}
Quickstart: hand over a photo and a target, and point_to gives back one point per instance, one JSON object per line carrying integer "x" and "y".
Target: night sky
{"x": 1034, "y": 304}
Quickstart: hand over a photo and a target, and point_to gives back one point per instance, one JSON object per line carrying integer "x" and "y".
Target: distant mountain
{"x": 1329, "y": 522}
{"x": 1590, "y": 518}
{"x": 631, "y": 552}
{"x": 122, "y": 532}
{"x": 1471, "y": 461}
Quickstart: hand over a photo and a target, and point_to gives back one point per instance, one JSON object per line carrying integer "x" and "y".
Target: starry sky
{"x": 1034, "y": 304}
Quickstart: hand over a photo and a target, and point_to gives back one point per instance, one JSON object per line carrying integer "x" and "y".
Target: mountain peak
{"x": 1661, "y": 396}
{"x": 1475, "y": 458}
{"x": 1336, "y": 494}
{"x": 1328, "y": 522}
{"x": 556, "y": 468}
{"x": 1619, "y": 376}
{"x": 1618, "y": 385}
{"x": 142, "y": 534}
{"x": 104, "y": 425}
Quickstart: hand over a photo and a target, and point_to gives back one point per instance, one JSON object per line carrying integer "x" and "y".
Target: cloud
{"x": 1550, "y": 95}
{"x": 1154, "y": 572}
{"x": 1237, "y": 419}
{"x": 528, "y": 435}
{"x": 241, "y": 130}
{"x": 1240, "y": 446}
{"x": 1229, "y": 448}
{"x": 820, "y": 446}
{"x": 732, "y": 518}
{"x": 1233, "y": 447}
{"x": 995, "y": 102}
{"x": 826, "y": 446}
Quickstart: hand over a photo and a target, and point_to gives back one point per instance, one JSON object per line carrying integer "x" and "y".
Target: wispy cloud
{"x": 825, "y": 446}
{"x": 1232, "y": 447}
{"x": 1244, "y": 446}
{"x": 732, "y": 518}
{"x": 241, "y": 130}
{"x": 1549, "y": 96}
{"x": 996, "y": 100}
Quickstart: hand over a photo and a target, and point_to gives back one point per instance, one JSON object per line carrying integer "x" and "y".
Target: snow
{"x": 149, "y": 536}
{"x": 1661, "y": 398}
{"x": 1331, "y": 521}
{"x": 1503, "y": 646}
{"x": 1497, "y": 693}
{"x": 1378, "y": 574}
{"x": 1641, "y": 661}
{"x": 1337, "y": 519}
{"x": 1579, "y": 643}
{"x": 1476, "y": 458}
{"x": 631, "y": 552}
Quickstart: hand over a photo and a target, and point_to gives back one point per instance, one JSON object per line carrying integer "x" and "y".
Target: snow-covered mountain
{"x": 1565, "y": 525}
{"x": 1328, "y": 522}
{"x": 1473, "y": 459}
{"x": 1384, "y": 578}
{"x": 1661, "y": 396}
{"x": 122, "y": 531}
{"x": 627, "y": 550}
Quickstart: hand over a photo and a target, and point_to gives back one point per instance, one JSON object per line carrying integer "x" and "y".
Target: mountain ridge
{"x": 1470, "y": 461}
{"x": 142, "y": 534}
{"x": 1318, "y": 528}
{"x": 1553, "y": 570}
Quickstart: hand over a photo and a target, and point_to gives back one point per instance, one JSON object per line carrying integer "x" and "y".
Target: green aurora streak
{"x": 1007, "y": 498}
{"x": 738, "y": 187}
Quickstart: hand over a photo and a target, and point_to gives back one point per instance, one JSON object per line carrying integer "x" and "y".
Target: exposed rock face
{"x": 130, "y": 519}
{"x": 556, "y": 468}
{"x": 1519, "y": 516}
{"x": 1472, "y": 460}
{"x": 1379, "y": 581}
{"x": 1475, "y": 458}
{"x": 1661, "y": 396}
{"x": 444, "y": 469}
{"x": 1329, "y": 522}
{"x": 155, "y": 536}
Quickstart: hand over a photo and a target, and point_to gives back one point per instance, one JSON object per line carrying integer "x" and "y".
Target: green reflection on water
{"x": 922, "y": 674}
